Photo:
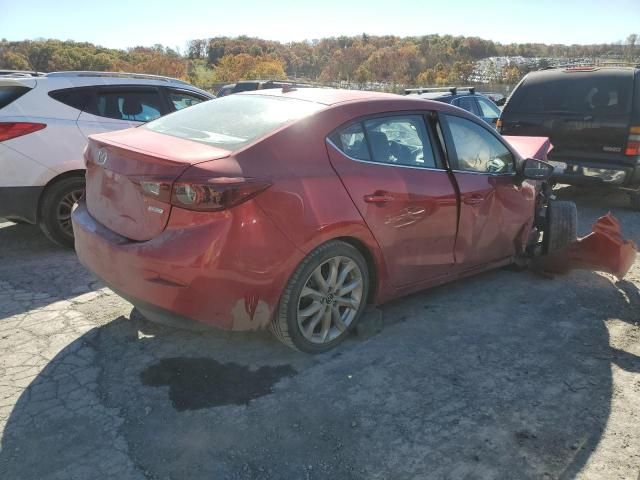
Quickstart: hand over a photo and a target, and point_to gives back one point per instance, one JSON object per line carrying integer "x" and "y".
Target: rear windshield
{"x": 234, "y": 121}
{"x": 576, "y": 93}
{"x": 9, "y": 93}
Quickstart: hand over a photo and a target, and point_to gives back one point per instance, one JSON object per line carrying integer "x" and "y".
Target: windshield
{"x": 234, "y": 121}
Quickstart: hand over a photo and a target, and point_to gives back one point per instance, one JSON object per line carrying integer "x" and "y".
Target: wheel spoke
{"x": 343, "y": 274}
{"x": 350, "y": 287}
{"x": 347, "y": 302}
{"x": 314, "y": 322}
{"x": 337, "y": 318}
{"x": 334, "y": 266}
{"x": 310, "y": 310}
{"x": 320, "y": 281}
{"x": 326, "y": 324}
{"x": 312, "y": 292}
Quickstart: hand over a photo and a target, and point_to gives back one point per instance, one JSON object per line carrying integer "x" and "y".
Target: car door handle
{"x": 378, "y": 197}
{"x": 473, "y": 199}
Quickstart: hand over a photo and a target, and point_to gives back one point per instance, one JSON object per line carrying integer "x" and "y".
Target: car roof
{"x": 326, "y": 96}
{"x": 558, "y": 73}
{"x": 71, "y": 79}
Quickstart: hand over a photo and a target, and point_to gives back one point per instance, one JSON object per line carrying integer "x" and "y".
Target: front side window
{"x": 477, "y": 150}
{"x": 131, "y": 105}
{"x": 233, "y": 121}
{"x": 400, "y": 140}
{"x": 488, "y": 108}
{"x": 180, "y": 99}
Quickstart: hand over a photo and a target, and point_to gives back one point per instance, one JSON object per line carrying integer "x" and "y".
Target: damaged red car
{"x": 294, "y": 209}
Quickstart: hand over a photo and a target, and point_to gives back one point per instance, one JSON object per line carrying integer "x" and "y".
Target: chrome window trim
{"x": 371, "y": 162}
{"x": 511, "y": 174}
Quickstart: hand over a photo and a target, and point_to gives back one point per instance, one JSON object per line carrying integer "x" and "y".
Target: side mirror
{"x": 533, "y": 169}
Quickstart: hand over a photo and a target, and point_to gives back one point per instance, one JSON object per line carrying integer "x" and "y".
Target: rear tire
{"x": 54, "y": 217}
{"x": 562, "y": 225}
{"x": 324, "y": 298}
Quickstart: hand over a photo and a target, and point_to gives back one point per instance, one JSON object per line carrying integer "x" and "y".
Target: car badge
{"x": 102, "y": 157}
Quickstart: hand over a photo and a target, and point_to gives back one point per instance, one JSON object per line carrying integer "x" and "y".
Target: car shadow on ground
{"x": 34, "y": 272}
{"x": 505, "y": 375}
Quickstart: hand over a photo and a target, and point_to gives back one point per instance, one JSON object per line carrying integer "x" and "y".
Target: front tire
{"x": 324, "y": 298}
{"x": 54, "y": 216}
{"x": 562, "y": 225}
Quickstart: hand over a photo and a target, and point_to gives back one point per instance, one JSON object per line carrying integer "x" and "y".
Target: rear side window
{"x": 77, "y": 98}
{"x": 466, "y": 103}
{"x": 10, "y": 93}
{"x": 131, "y": 105}
{"x": 233, "y": 121}
{"x": 352, "y": 142}
{"x": 577, "y": 93}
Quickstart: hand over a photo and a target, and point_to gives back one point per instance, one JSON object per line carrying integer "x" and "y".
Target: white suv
{"x": 44, "y": 124}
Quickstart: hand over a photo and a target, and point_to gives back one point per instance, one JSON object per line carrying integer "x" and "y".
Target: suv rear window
{"x": 10, "y": 93}
{"x": 233, "y": 121}
{"x": 577, "y": 93}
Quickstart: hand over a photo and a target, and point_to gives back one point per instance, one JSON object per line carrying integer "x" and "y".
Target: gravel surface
{"x": 505, "y": 375}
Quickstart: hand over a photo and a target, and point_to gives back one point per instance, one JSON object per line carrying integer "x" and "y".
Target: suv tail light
{"x": 633, "y": 142}
{"x": 206, "y": 195}
{"x": 9, "y": 130}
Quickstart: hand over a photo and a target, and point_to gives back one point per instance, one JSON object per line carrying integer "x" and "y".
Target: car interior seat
{"x": 131, "y": 107}
{"x": 380, "y": 146}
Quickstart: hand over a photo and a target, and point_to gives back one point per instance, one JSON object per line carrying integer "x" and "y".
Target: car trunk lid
{"x": 120, "y": 164}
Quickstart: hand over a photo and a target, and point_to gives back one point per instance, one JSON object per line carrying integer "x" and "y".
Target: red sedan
{"x": 294, "y": 209}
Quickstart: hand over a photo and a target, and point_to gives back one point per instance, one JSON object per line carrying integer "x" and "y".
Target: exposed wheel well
{"x": 54, "y": 180}
{"x": 371, "y": 264}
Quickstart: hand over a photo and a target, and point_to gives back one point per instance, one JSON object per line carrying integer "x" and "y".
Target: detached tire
{"x": 562, "y": 225}
{"x": 54, "y": 216}
{"x": 324, "y": 298}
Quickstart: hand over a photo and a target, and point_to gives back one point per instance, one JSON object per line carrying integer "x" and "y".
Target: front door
{"x": 496, "y": 210}
{"x": 406, "y": 197}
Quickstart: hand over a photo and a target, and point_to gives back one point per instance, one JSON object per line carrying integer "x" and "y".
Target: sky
{"x": 128, "y": 23}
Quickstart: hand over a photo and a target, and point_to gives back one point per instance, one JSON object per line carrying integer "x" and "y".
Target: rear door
{"x": 496, "y": 211}
{"x": 584, "y": 113}
{"x": 117, "y": 107}
{"x": 397, "y": 181}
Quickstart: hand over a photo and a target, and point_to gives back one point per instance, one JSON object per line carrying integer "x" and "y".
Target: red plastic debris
{"x": 603, "y": 250}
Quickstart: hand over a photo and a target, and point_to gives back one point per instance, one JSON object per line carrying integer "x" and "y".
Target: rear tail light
{"x": 207, "y": 195}
{"x": 9, "y": 130}
{"x": 499, "y": 125}
{"x": 633, "y": 142}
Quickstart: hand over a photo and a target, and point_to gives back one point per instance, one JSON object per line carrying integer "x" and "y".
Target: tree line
{"x": 363, "y": 60}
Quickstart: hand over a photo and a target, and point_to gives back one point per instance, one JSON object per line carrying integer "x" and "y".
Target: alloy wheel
{"x": 64, "y": 210}
{"x": 330, "y": 300}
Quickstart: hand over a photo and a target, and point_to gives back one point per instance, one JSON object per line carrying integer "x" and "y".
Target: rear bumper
{"x": 225, "y": 271}
{"x": 607, "y": 173}
{"x": 20, "y": 203}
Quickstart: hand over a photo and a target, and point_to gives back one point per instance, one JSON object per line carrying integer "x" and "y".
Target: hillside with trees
{"x": 385, "y": 62}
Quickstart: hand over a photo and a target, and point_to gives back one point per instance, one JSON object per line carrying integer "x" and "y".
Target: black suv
{"x": 591, "y": 115}
{"x": 463, "y": 97}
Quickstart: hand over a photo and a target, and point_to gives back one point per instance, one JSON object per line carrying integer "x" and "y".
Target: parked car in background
{"x": 591, "y": 115}
{"x": 249, "y": 85}
{"x": 293, "y": 209}
{"x": 464, "y": 97}
{"x": 44, "y": 124}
